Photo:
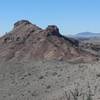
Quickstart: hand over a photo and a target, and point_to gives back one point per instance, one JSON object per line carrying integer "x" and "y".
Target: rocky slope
{"x": 36, "y": 66}
{"x": 28, "y": 41}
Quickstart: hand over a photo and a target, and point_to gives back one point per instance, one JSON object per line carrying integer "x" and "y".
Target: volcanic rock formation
{"x": 28, "y": 41}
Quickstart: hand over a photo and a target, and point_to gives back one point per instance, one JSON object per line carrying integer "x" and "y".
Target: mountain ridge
{"x": 28, "y": 41}
{"x": 87, "y": 34}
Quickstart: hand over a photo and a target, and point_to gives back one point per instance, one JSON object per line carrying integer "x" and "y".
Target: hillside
{"x": 42, "y": 64}
{"x": 27, "y": 41}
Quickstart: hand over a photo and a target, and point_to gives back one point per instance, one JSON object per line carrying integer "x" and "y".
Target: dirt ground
{"x": 49, "y": 80}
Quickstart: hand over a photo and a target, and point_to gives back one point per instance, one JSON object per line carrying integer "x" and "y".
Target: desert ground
{"x": 49, "y": 80}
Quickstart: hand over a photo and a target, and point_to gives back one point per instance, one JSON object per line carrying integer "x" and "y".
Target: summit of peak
{"x": 53, "y": 29}
{"x": 22, "y": 22}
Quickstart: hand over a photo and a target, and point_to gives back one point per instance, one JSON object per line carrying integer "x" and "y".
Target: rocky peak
{"x": 27, "y": 41}
{"x": 25, "y": 25}
{"x": 22, "y": 22}
{"x": 53, "y": 30}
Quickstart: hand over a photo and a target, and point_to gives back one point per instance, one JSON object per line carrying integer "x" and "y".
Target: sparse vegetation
{"x": 75, "y": 94}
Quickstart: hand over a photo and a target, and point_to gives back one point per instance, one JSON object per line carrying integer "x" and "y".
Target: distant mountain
{"x": 87, "y": 34}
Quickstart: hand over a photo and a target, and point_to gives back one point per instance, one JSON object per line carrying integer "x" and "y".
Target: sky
{"x": 71, "y": 16}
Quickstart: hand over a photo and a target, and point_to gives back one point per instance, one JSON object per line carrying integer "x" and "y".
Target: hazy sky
{"x": 71, "y": 16}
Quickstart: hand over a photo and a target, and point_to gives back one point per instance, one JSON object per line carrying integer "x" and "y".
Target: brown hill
{"x": 27, "y": 41}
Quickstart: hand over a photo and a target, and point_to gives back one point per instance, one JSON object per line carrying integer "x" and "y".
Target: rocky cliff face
{"x": 28, "y": 41}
